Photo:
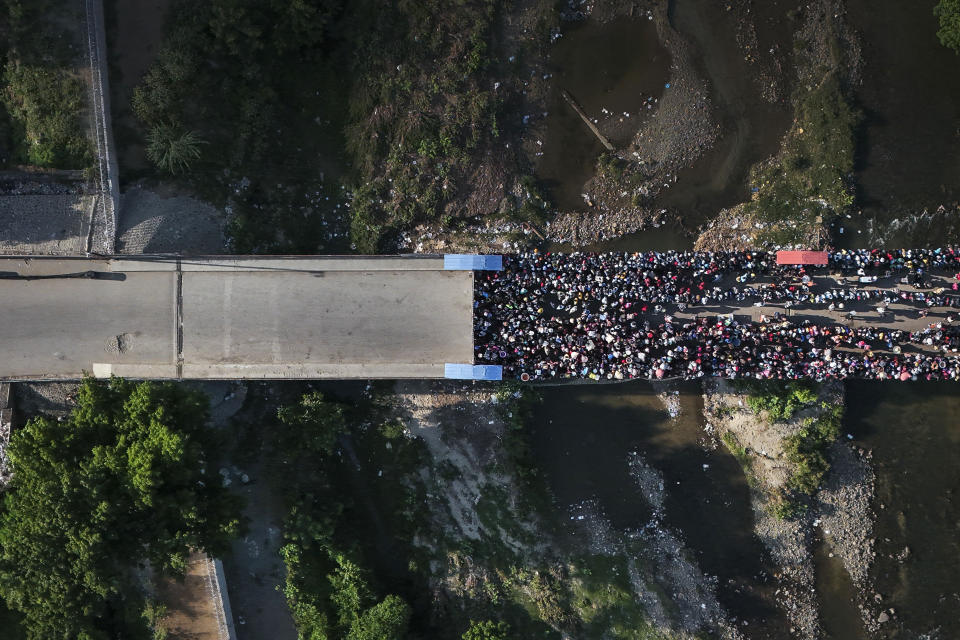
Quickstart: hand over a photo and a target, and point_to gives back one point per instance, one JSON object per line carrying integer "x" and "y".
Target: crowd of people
{"x": 612, "y": 315}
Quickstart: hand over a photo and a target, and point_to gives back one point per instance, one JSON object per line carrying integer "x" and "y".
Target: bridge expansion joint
{"x": 179, "y": 320}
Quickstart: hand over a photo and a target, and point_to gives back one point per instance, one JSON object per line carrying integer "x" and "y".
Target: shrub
{"x": 487, "y": 630}
{"x": 172, "y": 150}
{"x": 948, "y": 15}
{"x": 807, "y": 450}
{"x": 780, "y": 400}
{"x": 45, "y": 104}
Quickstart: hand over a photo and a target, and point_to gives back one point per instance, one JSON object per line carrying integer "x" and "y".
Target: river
{"x": 909, "y": 155}
{"x": 619, "y": 66}
{"x": 616, "y": 67}
{"x": 582, "y": 436}
{"x": 914, "y": 433}
{"x": 908, "y": 161}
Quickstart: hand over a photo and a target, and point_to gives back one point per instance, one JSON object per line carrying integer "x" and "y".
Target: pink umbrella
{"x": 659, "y": 373}
{"x": 904, "y": 375}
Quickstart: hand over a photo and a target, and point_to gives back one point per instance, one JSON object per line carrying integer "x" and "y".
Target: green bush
{"x": 487, "y": 630}
{"x": 784, "y": 506}
{"x": 172, "y": 150}
{"x": 779, "y": 399}
{"x": 807, "y": 451}
{"x": 948, "y": 15}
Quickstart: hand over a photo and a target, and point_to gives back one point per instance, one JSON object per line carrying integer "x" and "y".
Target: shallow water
{"x": 837, "y": 596}
{"x": 581, "y": 439}
{"x": 914, "y": 433}
{"x": 615, "y": 66}
{"x": 751, "y": 126}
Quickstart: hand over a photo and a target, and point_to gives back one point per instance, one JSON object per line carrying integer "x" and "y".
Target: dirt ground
{"x": 191, "y": 614}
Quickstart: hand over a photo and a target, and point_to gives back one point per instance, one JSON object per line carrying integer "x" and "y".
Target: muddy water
{"x": 619, "y": 65}
{"x": 751, "y": 126}
{"x": 837, "y": 596}
{"x": 914, "y": 432}
{"x": 615, "y": 66}
{"x": 582, "y": 436}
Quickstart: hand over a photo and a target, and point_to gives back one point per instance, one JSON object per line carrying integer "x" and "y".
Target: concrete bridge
{"x": 231, "y": 317}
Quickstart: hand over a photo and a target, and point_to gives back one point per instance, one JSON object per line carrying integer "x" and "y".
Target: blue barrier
{"x": 472, "y": 262}
{"x": 472, "y": 371}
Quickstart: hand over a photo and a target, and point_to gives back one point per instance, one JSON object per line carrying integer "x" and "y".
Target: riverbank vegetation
{"x": 373, "y": 541}
{"x": 42, "y": 91}
{"x": 329, "y": 585}
{"x": 405, "y": 88}
{"x": 807, "y": 450}
{"x": 779, "y": 399}
{"x": 809, "y": 182}
{"x": 123, "y": 486}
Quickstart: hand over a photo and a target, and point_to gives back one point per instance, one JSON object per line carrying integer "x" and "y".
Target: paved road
{"x": 233, "y": 317}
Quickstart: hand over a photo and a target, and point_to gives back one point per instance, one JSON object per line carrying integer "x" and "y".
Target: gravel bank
{"x": 846, "y": 518}
{"x": 45, "y": 223}
{"x": 158, "y": 220}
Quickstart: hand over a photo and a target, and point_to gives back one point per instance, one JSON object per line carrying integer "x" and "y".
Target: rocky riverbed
{"x": 841, "y": 511}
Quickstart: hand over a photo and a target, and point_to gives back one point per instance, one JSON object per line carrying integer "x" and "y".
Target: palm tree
{"x": 171, "y": 149}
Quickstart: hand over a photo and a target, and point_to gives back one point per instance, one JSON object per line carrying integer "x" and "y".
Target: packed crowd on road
{"x": 618, "y": 316}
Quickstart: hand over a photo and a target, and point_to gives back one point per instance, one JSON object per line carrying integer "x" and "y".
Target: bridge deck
{"x": 233, "y": 317}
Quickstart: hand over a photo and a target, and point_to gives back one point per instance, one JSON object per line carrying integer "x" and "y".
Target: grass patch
{"x": 742, "y": 456}
{"x": 43, "y": 97}
{"x": 603, "y": 599}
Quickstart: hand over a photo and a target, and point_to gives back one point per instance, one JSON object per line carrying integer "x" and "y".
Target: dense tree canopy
{"x": 122, "y": 481}
{"x": 330, "y": 592}
{"x": 948, "y": 12}
{"x": 487, "y": 630}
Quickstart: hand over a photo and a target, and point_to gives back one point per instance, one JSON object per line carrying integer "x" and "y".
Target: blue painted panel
{"x": 458, "y": 262}
{"x": 488, "y": 372}
{"x": 472, "y": 372}
{"x": 491, "y": 263}
{"x": 471, "y": 262}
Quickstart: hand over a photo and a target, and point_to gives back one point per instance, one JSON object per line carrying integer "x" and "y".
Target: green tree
{"x": 171, "y": 149}
{"x": 350, "y": 590}
{"x": 487, "y": 630}
{"x": 948, "y": 13}
{"x": 387, "y": 620}
{"x": 124, "y": 480}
